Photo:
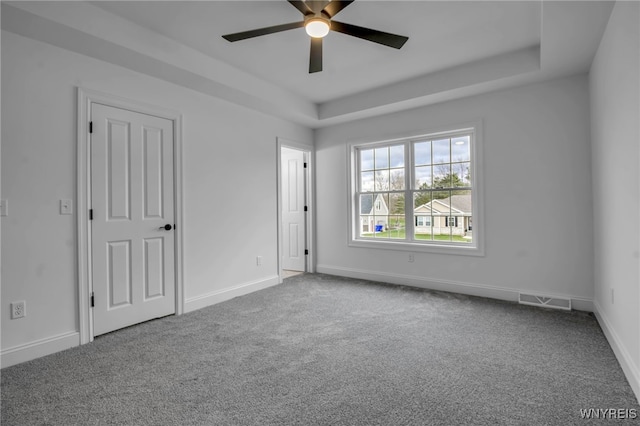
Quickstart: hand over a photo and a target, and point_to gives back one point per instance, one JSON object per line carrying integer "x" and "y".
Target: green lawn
{"x": 400, "y": 234}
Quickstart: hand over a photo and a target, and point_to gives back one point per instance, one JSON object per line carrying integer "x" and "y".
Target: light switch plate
{"x": 4, "y": 207}
{"x": 66, "y": 207}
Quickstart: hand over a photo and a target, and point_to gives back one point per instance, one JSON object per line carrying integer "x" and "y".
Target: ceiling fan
{"x": 318, "y": 21}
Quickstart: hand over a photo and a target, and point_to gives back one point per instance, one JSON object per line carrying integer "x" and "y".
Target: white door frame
{"x": 309, "y": 199}
{"x": 86, "y": 97}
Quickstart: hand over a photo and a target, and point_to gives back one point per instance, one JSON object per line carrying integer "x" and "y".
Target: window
{"x": 417, "y": 193}
{"x": 423, "y": 220}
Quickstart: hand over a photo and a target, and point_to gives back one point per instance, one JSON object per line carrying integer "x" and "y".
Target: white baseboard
{"x": 471, "y": 289}
{"x": 39, "y": 348}
{"x": 53, "y": 344}
{"x": 630, "y": 369}
{"x": 214, "y": 297}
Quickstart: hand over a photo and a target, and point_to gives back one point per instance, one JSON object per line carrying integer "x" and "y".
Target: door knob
{"x": 166, "y": 227}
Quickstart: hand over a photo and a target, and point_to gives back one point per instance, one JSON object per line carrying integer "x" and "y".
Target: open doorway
{"x": 294, "y": 208}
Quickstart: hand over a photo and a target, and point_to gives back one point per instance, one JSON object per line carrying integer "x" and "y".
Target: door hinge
{"x": 90, "y": 214}
{"x": 306, "y": 252}
{"x": 91, "y": 127}
{"x": 305, "y": 165}
{"x": 92, "y": 300}
{"x": 305, "y": 208}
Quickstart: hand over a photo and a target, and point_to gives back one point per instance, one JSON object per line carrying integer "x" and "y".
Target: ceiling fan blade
{"x": 315, "y": 56}
{"x": 301, "y": 6}
{"x": 333, "y": 8}
{"x": 263, "y": 31}
{"x": 388, "y": 39}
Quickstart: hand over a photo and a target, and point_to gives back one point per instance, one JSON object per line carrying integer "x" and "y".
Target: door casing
{"x": 86, "y": 97}
{"x": 309, "y": 197}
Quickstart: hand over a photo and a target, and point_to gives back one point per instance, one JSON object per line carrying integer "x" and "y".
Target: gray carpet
{"x": 322, "y": 350}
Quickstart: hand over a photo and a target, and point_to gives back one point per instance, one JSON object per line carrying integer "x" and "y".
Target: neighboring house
{"x": 444, "y": 216}
{"x": 373, "y": 212}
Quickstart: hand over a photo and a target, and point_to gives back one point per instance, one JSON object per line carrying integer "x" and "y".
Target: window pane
{"x": 395, "y": 221}
{"x": 366, "y": 181}
{"x": 461, "y": 202}
{"x": 422, "y": 216}
{"x": 441, "y": 210}
{"x": 366, "y": 215}
{"x": 441, "y": 151}
{"x": 422, "y": 153}
{"x": 396, "y": 204}
{"x": 380, "y": 227}
{"x": 424, "y": 178}
{"x": 382, "y": 158}
{"x": 442, "y": 176}
{"x": 366, "y": 159}
{"x": 460, "y": 149}
{"x": 381, "y": 205}
{"x": 461, "y": 174}
{"x": 397, "y": 179}
{"x": 397, "y": 156}
{"x": 382, "y": 180}
{"x": 396, "y": 227}
{"x": 424, "y": 231}
{"x": 381, "y": 212}
{"x": 421, "y": 199}
{"x": 366, "y": 204}
{"x": 366, "y": 226}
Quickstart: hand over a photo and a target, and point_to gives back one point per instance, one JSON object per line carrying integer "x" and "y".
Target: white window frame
{"x": 475, "y": 248}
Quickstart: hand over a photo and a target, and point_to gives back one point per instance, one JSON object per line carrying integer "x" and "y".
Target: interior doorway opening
{"x": 294, "y": 209}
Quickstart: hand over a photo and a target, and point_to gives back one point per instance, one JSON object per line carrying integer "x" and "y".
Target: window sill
{"x": 443, "y": 248}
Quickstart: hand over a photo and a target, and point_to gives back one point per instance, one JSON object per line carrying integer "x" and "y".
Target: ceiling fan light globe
{"x": 317, "y": 28}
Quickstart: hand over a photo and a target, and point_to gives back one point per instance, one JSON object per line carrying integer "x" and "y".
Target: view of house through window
{"x": 417, "y": 190}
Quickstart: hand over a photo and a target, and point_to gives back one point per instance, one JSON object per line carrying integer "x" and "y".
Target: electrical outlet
{"x": 4, "y": 207}
{"x": 411, "y": 258}
{"x": 18, "y": 309}
{"x": 259, "y": 260}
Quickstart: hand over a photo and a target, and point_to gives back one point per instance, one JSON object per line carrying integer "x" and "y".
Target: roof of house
{"x": 366, "y": 204}
{"x": 460, "y": 202}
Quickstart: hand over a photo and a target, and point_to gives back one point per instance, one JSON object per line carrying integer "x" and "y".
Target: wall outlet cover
{"x": 18, "y": 309}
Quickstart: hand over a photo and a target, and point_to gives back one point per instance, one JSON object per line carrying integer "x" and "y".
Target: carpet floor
{"x": 323, "y": 350}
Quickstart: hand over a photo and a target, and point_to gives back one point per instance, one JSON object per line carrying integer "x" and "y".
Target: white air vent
{"x": 545, "y": 301}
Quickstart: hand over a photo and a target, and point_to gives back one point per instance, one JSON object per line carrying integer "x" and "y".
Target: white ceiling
{"x": 455, "y": 49}
{"x": 441, "y": 35}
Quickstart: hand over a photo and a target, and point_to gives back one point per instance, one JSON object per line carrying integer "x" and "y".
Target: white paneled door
{"x": 293, "y": 215}
{"x": 132, "y": 226}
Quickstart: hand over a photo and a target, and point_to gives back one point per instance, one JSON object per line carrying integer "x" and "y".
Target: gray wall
{"x": 229, "y": 187}
{"x": 615, "y": 120}
{"x": 537, "y": 195}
